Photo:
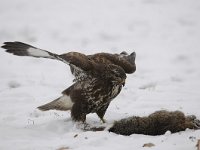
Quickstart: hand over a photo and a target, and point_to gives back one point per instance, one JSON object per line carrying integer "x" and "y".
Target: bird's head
{"x": 116, "y": 74}
{"x": 129, "y": 57}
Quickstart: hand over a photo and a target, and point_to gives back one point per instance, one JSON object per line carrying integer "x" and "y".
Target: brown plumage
{"x": 98, "y": 78}
{"x": 156, "y": 123}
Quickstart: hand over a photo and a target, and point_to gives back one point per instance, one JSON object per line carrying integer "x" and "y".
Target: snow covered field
{"x": 165, "y": 35}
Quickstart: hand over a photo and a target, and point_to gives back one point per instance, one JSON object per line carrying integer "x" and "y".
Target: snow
{"x": 165, "y": 35}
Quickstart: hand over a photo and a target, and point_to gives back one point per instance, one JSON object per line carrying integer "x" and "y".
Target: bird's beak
{"x": 122, "y": 82}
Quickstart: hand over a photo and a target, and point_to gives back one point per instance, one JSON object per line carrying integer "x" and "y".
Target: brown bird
{"x": 98, "y": 79}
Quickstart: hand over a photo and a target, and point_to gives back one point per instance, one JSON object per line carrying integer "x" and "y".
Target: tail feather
{"x": 22, "y": 49}
{"x": 62, "y": 103}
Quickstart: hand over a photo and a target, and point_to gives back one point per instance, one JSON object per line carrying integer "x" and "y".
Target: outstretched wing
{"x": 80, "y": 64}
{"x": 22, "y": 49}
{"x": 75, "y": 60}
{"x": 127, "y": 62}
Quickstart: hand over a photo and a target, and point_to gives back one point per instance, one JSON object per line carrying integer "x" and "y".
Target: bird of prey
{"x": 98, "y": 78}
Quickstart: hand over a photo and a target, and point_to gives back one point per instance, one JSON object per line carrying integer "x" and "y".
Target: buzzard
{"x": 98, "y": 79}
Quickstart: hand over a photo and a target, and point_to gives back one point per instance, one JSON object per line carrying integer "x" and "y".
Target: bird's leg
{"x": 100, "y": 115}
{"x": 101, "y": 112}
{"x": 77, "y": 113}
{"x": 103, "y": 120}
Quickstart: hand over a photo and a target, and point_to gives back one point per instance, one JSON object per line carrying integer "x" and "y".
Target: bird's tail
{"x": 62, "y": 103}
{"x": 22, "y": 49}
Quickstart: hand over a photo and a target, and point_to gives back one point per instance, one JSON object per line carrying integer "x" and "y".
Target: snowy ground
{"x": 165, "y": 35}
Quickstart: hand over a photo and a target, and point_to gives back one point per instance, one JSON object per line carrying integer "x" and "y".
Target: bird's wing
{"x": 81, "y": 66}
{"x": 127, "y": 62}
{"x": 75, "y": 60}
{"x": 23, "y": 49}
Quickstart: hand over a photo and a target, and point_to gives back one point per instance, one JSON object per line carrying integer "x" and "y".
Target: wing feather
{"x": 23, "y": 49}
{"x": 80, "y": 64}
{"x": 77, "y": 60}
{"x": 127, "y": 62}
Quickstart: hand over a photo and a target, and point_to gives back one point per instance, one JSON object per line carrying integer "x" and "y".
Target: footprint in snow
{"x": 13, "y": 84}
